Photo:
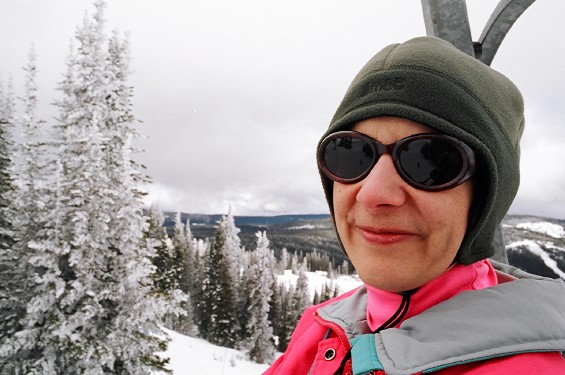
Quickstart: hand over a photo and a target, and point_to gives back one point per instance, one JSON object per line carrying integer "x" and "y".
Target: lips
{"x": 385, "y": 236}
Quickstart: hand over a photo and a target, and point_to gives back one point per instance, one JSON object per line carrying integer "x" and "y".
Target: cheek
{"x": 340, "y": 199}
{"x": 343, "y": 202}
{"x": 449, "y": 219}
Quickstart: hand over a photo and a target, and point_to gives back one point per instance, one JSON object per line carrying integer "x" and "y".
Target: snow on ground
{"x": 316, "y": 280}
{"x": 191, "y": 355}
{"x": 536, "y": 249}
{"x": 308, "y": 226}
{"x": 553, "y": 230}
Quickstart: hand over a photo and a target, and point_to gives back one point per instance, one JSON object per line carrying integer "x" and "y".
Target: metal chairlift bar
{"x": 500, "y": 22}
{"x": 448, "y": 20}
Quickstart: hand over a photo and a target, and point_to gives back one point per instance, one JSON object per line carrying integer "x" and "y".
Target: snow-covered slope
{"x": 537, "y": 250}
{"x": 536, "y": 245}
{"x": 544, "y": 227}
{"x": 190, "y": 356}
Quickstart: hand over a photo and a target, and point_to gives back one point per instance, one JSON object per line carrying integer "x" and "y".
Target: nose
{"x": 383, "y": 185}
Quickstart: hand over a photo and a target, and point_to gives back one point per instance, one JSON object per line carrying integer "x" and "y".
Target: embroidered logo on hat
{"x": 388, "y": 84}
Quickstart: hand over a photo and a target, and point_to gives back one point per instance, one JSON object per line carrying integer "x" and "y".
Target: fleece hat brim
{"x": 429, "y": 81}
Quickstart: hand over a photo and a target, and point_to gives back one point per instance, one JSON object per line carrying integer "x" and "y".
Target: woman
{"x": 419, "y": 166}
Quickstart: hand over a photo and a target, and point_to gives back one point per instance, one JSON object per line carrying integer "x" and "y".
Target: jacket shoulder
{"x": 304, "y": 341}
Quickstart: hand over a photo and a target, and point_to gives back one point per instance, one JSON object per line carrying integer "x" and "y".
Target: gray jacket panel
{"x": 516, "y": 317}
{"x": 526, "y": 315}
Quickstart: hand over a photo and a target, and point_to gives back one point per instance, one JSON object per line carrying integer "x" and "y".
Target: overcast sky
{"x": 234, "y": 95}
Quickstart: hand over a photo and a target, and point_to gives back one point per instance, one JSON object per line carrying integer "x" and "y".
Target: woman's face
{"x": 398, "y": 237}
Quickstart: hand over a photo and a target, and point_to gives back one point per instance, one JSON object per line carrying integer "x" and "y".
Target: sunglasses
{"x": 429, "y": 162}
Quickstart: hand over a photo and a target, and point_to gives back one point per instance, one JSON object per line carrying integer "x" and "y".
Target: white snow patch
{"x": 537, "y": 250}
{"x": 190, "y": 355}
{"x": 308, "y": 226}
{"x": 553, "y": 230}
{"x": 317, "y": 279}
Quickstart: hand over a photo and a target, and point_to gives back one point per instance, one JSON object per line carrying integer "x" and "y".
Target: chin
{"x": 392, "y": 286}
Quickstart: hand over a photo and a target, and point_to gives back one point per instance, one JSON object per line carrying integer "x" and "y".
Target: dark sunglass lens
{"x": 348, "y": 157}
{"x": 430, "y": 162}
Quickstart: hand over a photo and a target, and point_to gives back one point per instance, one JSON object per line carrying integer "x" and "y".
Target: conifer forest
{"x": 89, "y": 275}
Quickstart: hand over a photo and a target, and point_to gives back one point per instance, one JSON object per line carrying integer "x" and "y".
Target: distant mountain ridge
{"x": 242, "y": 220}
{"x": 534, "y": 244}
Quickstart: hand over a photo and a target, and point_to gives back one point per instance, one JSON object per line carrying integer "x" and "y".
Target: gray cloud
{"x": 234, "y": 95}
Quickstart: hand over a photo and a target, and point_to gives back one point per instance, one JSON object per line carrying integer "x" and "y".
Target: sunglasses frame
{"x": 393, "y": 149}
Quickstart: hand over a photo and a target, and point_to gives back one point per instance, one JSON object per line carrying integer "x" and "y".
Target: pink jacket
{"x": 322, "y": 340}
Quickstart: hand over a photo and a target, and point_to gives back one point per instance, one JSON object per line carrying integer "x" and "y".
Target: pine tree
{"x": 201, "y": 253}
{"x": 344, "y": 269}
{"x": 180, "y": 247}
{"x": 232, "y": 246}
{"x": 185, "y": 273}
{"x": 27, "y": 202}
{"x": 294, "y": 264}
{"x": 301, "y": 298}
{"x": 94, "y": 309}
{"x": 329, "y": 291}
{"x": 201, "y": 299}
{"x": 259, "y": 333}
{"x": 317, "y": 298}
{"x": 165, "y": 274}
{"x": 219, "y": 295}
{"x": 7, "y": 108}
{"x": 275, "y": 309}
{"x": 34, "y": 167}
{"x": 287, "y": 318}
{"x": 12, "y": 276}
{"x": 191, "y": 278}
{"x": 284, "y": 262}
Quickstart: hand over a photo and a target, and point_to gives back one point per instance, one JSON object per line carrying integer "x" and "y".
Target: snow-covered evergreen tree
{"x": 301, "y": 297}
{"x": 27, "y": 204}
{"x": 12, "y": 277}
{"x": 94, "y": 309}
{"x": 33, "y": 167}
{"x": 184, "y": 254}
{"x": 232, "y": 246}
{"x": 8, "y": 106}
{"x": 219, "y": 295}
{"x": 294, "y": 264}
{"x": 329, "y": 291}
{"x": 200, "y": 296}
{"x": 198, "y": 271}
{"x": 191, "y": 278}
{"x": 275, "y": 309}
{"x": 284, "y": 262}
{"x": 181, "y": 246}
{"x": 344, "y": 268}
{"x": 316, "y": 299}
{"x": 259, "y": 333}
{"x": 165, "y": 275}
{"x": 287, "y": 318}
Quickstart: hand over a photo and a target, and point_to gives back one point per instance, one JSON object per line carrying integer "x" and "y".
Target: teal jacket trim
{"x": 364, "y": 358}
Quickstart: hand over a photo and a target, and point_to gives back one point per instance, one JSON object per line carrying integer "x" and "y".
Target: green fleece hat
{"x": 429, "y": 81}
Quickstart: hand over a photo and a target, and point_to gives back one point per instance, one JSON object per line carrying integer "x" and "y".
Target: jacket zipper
{"x": 336, "y": 328}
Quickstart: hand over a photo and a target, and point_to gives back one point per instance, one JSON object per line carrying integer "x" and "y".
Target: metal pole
{"x": 500, "y": 22}
{"x": 448, "y": 20}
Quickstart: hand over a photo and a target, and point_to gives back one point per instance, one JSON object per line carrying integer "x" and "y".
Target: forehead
{"x": 390, "y": 129}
